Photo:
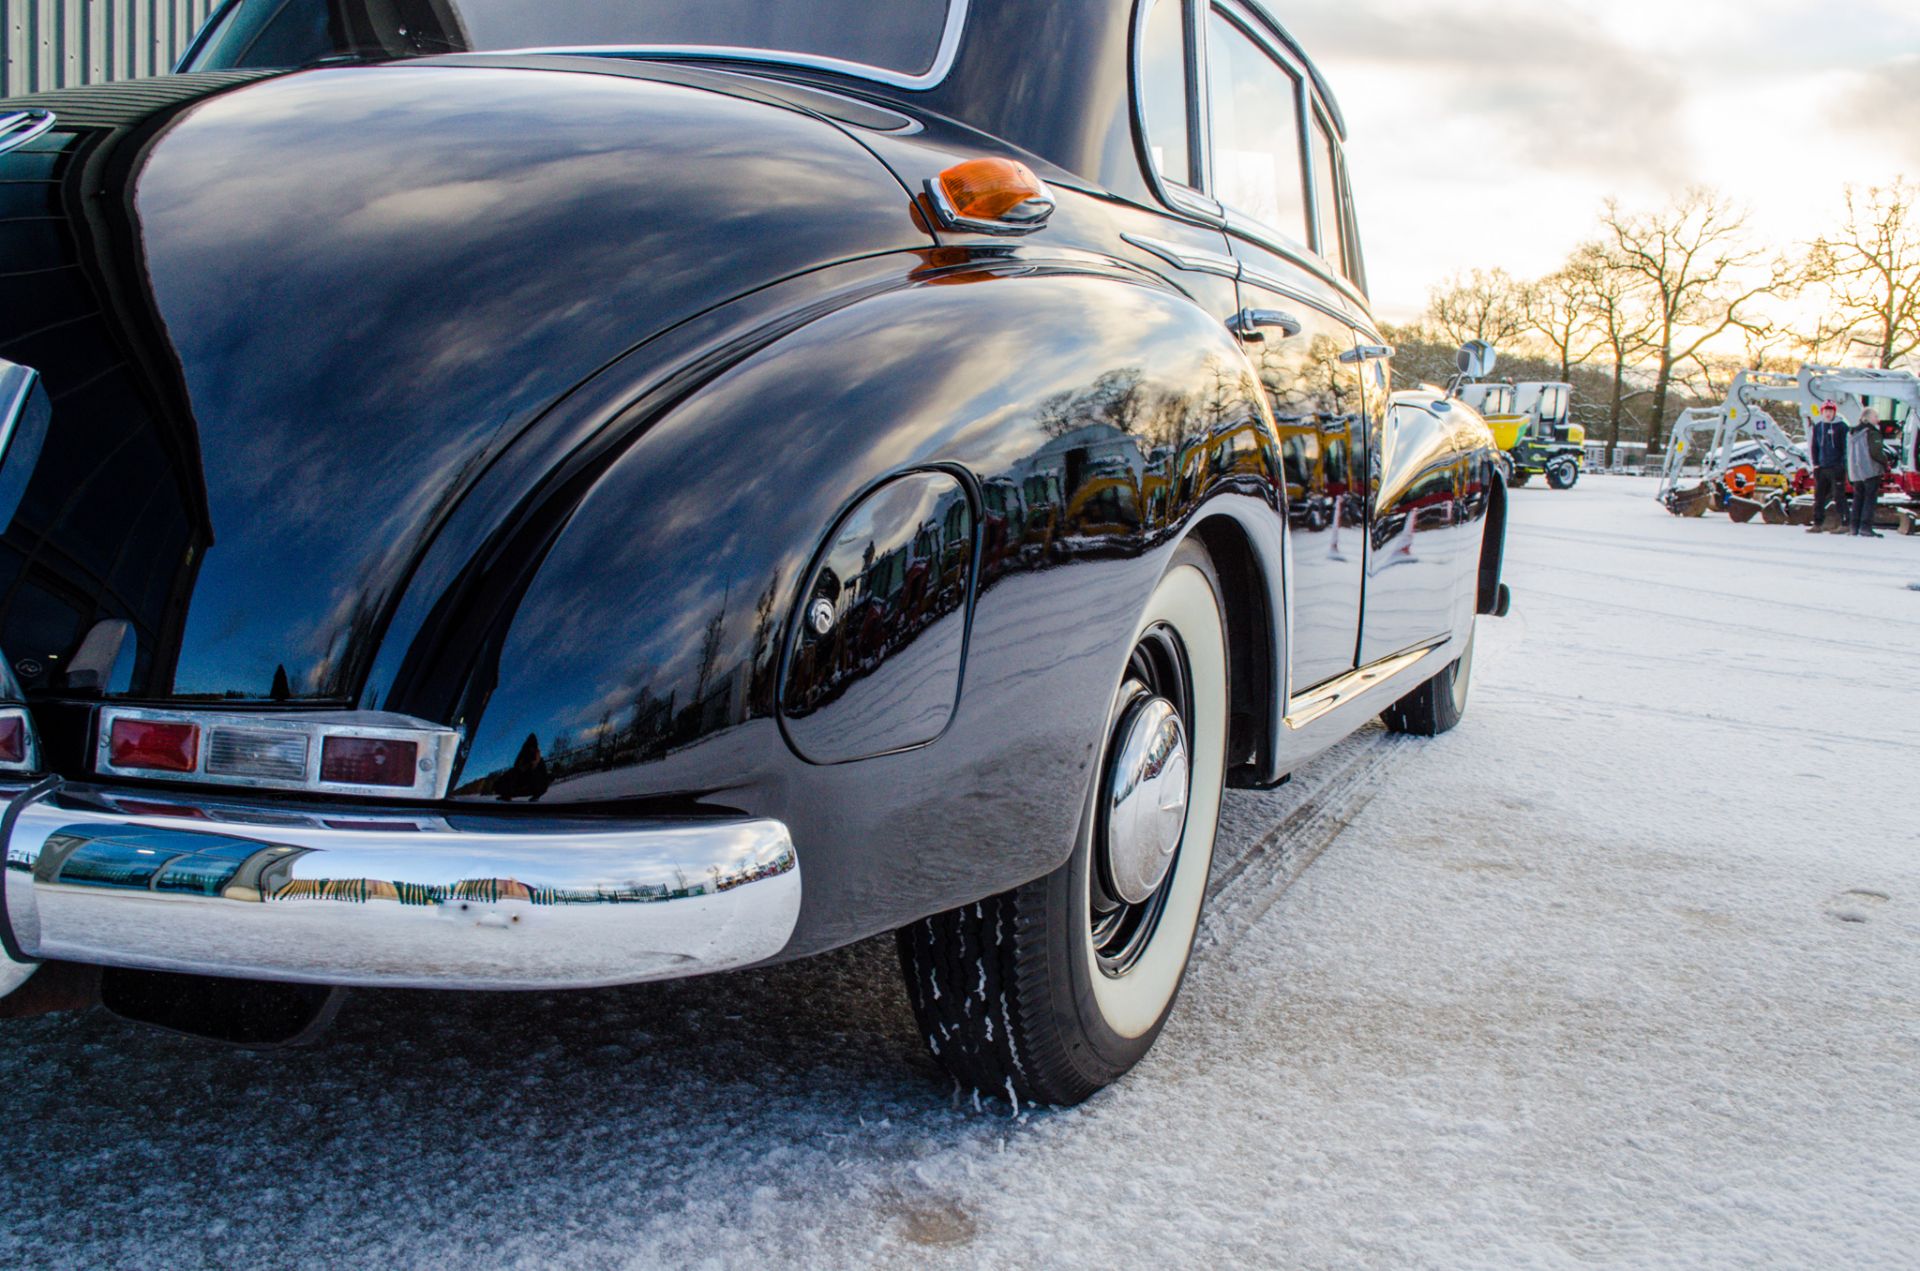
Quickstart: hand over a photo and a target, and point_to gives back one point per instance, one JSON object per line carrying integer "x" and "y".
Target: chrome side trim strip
{"x": 19, "y": 127}
{"x": 408, "y": 901}
{"x": 932, "y": 77}
{"x": 1180, "y": 256}
{"x": 1316, "y": 702}
{"x": 1255, "y": 276}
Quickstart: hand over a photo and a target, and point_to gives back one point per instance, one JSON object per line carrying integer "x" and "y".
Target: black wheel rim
{"x": 1122, "y": 932}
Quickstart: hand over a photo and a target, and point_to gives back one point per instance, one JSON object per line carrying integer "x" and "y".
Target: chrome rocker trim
{"x": 125, "y": 878}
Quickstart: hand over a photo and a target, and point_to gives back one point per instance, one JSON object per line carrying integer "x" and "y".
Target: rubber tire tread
{"x": 1427, "y": 711}
{"x": 979, "y": 981}
{"x": 984, "y": 982}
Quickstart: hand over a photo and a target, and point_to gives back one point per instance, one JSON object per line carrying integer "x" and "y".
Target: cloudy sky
{"x": 1488, "y": 132}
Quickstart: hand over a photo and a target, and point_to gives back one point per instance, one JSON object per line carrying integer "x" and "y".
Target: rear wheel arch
{"x": 830, "y": 448}
{"x": 1252, "y": 603}
{"x": 1493, "y": 547}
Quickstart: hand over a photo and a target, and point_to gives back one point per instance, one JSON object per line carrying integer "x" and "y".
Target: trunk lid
{"x": 283, "y": 324}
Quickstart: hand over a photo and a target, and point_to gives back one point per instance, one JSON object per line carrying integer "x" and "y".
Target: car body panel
{"x": 623, "y": 711}
{"x": 538, "y": 399}
{"x": 327, "y": 253}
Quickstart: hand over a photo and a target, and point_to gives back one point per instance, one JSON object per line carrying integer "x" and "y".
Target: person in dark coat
{"x": 1867, "y": 463}
{"x": 1828, "y": 440}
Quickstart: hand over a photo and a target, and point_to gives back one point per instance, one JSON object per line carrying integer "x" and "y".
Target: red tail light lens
{"x": 140, "y": 743}
{"x": 368, "y": 761}
{"x": 140, "y": 807}
{"x": 13, "y": 739}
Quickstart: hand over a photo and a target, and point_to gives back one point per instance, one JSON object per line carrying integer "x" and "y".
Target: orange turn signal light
{"x": 993, "y": 190}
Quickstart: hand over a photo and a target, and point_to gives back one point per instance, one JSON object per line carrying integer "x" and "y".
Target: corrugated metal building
{"x": 64, "y": 43}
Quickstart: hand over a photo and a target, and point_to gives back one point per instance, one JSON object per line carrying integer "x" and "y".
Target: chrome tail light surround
{"x": 286, "y": 751}
{"x": 19, "y": 743}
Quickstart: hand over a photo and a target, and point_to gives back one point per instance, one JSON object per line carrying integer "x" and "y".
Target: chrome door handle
{"x": 1251, "y": 324}
{"x": 1368, "y": 353}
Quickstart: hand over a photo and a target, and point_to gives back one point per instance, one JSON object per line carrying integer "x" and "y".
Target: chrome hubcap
{"x": 1147, "y": 787}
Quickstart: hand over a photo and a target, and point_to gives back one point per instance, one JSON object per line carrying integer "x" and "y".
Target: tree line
{"x": 1660, "y": 309}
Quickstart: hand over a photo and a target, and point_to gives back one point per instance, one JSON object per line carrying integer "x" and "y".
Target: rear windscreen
{"x": 901, "y": 37}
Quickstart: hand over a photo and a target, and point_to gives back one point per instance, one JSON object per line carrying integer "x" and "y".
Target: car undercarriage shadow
{"x": 422, "y": 1124}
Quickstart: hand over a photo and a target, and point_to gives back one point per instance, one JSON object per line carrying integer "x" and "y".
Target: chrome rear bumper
{"x": 122, "y": 878}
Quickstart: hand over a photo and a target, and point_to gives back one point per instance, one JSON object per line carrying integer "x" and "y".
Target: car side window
{"x": 1163, "y": 90}
{"x": 1326, "y": 186}
{"x": 1356, "y": 261}
{"x": 1254, "y": 101}
{"x": 262, "y": 33}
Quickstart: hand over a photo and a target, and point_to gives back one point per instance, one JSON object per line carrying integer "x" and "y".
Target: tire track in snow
{"x": 1693, "y": 589}
{"x": 1702, "y": 718}
{"x": 1250, "y": 881}
{"x": 1757, "y": 556}
{"x": 1718, "y": 622}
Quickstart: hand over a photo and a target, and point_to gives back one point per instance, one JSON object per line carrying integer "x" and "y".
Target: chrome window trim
{"x": 1314, "y": 116}
{"x": 1313, "y": 96}
{"x": 18, "y": 127}
{"x": 438, "y": 747}
{"x": 1278, "y": 29}
{"x": 16, "y": 387}
{"x": 932, "y": 77}
{"x": 1178, "y": 196}
{"x": 1249, "y": 26}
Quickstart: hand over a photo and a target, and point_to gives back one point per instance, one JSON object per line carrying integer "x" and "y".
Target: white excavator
{"x": 1750, "y": 465}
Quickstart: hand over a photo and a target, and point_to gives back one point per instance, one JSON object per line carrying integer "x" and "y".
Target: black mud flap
{"x": 255, "y": 1014}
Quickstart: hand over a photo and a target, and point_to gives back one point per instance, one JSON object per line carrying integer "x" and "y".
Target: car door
{"x": 1296, "y": 323}
{"x": 1319, "y": 410}
{"x": 1424, "y": 543}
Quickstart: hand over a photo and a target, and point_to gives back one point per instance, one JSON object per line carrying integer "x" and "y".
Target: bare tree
{"x": 1700, "y": 277}
{"x": 1615, "y": 297}
{"x": 1559, "y": 311}
{"x": 1872, "y": 268}
{"x": 1486, "y": 304}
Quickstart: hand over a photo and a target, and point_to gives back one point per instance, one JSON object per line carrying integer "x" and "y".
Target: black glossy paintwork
{"x": 1320, "y": 411}
{"x": 1109, "y": 461}
{"x": 527, "y": 397}
{"x": 875, "y": 650}
{"x": 1426, "y": 526}
{"x": 363, "y": 283}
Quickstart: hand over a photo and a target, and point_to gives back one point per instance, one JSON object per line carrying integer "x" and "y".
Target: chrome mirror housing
{"x": 1476, "y": 359}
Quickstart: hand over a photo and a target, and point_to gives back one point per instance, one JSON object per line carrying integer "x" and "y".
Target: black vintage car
{"x": 525, "y": 496}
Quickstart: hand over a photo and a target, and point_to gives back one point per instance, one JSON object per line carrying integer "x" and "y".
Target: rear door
{"x": 1319, "y": 409}
{"x": 1289, "y": 232}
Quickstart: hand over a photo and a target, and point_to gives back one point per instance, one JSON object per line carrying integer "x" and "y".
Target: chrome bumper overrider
{"x": 382, "y": 898}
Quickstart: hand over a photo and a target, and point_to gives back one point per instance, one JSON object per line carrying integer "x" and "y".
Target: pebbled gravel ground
{"x": 1625, "y": 971}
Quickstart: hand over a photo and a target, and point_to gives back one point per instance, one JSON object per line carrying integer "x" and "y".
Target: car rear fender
{"x": 1091, "y": 419}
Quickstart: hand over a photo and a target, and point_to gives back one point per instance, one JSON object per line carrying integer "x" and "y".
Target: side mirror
{"x": 1476, "y": 359}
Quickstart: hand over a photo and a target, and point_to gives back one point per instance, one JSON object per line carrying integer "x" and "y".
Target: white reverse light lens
{"x": 273, "y": 756}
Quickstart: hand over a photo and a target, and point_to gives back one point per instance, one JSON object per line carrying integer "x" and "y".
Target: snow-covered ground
{"x": 1624, "y": 971}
